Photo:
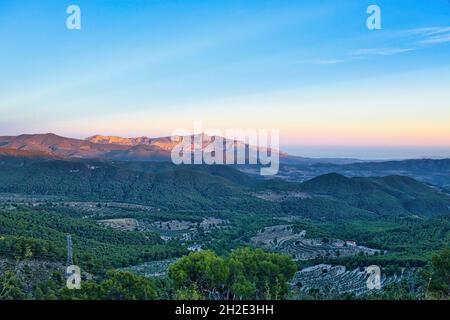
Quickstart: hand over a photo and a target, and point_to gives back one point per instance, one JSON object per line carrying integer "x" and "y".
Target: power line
{"x": 69, "y": 250}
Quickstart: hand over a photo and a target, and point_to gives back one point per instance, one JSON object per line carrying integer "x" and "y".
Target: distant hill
{"x": 201, "y": 187}
{"x": 57, "y": 146}
{"x": 381, "y": 195}
{"x": 416, "y": 166}
{"x": 23, "y": 153}
{"x": 162, "y": 185}
{"x": 126, "y": 149}
{"x": 432, "y": 171}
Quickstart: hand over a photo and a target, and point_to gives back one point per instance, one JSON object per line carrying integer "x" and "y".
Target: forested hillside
{"x": 126, "y": 217}
{"x": 167, "y": 186}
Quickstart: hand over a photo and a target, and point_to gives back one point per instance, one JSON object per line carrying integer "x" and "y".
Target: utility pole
{"x": 73, "y": 273}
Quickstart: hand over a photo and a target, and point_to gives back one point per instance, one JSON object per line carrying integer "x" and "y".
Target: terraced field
{"x": 336, "y": 280}
{"x": 282, "y": 238}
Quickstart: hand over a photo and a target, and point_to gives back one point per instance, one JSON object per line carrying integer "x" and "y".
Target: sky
{"x": 311, "y": 69}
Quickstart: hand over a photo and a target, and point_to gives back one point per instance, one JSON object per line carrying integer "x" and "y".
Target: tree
{"x": 190, "y": 293}
{"x": 256, "y": 274}
{"x": 244, "y": 274}
{"x": 203, "y": 269}
{"x": 439, "y": 284}
{"x": 11, "y": 287}
{"x": 117, "y": 285}
{"x": 122, "y": 285}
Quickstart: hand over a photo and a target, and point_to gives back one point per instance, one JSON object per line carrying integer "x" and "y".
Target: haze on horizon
{"x": 308, "y": 68}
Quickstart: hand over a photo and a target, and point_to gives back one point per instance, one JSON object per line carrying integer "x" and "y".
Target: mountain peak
{"x": 333, "y": 176}
{"x": 117, "y": 140}
{"x": 330, "y": 183}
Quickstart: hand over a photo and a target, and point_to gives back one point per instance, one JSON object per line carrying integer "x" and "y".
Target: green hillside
{"x": 406, "y": 218}
{"x": 43, "y": 232}
{"x": 392, "y": 195}
{"x": 169, "y": 187}
{"x": 164, "y": 186}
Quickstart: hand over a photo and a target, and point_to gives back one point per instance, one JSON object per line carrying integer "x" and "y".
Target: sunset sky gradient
{"x": 309, "y": 68}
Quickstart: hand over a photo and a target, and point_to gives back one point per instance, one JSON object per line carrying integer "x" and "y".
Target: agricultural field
{"x": 152, "y": 269}
{"x": 10, "y": 201}
{"x": 125, "y": 224}
{"x": 88, "y": 208}
{"x": 281, "y": 196}
{"x": 179, "y": 225}
{"x": 183, "y": 229}
{"x": 283, "y": 238}
{"x": 336, "y": 280}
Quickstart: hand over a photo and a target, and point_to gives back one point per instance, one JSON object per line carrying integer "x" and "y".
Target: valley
{"x": 148, "y": 217}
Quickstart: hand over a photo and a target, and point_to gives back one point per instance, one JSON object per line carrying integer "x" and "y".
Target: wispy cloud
{"x": 442, "y": 38}
{"x": 427, "y": 31}
{"x": 415, "y": 37}
{"x": 430, "y": 35}
{"x": 380, "y": 51}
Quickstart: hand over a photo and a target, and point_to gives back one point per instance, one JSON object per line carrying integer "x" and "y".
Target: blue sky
{"x": 309, "y": 68}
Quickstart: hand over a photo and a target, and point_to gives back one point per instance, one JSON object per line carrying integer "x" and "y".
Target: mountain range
{"x": 104, "y": 147}
{"x": 431, "y": 171}
{"x": 52, "y": 145}
{"x": 293, "y": 168}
